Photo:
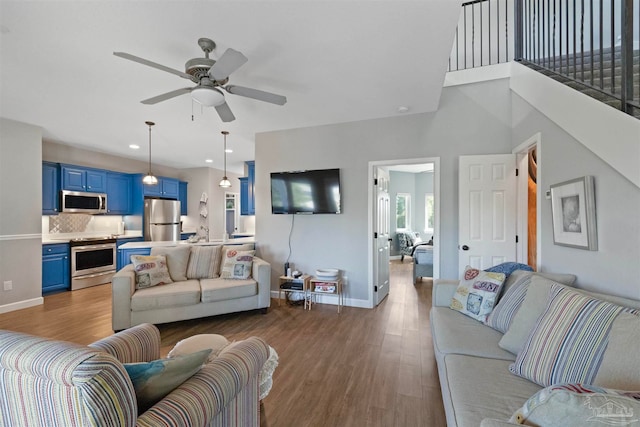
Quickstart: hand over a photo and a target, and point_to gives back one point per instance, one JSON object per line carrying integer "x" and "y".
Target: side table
{"x": 316, "y": 286}
{"x": 302, "y": 281}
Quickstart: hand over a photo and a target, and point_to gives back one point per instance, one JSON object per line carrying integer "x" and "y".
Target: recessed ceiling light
{"x": 403, "y": 109}
{"x": 209, "y": 161}
{"x": 228, "y": 150}
{"x": 134, "y": 146}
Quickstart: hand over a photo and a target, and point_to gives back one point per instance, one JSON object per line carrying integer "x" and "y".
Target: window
{"x": 403, "y": 209}
{"x": 429, "y": 214}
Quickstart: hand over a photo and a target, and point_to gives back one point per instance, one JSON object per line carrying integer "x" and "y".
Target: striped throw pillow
{"x": 569, "y": 340}
{"x": 204, "y": 262}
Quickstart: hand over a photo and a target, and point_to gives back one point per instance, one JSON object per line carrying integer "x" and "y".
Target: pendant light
{"x": 224, "y": 183}
{"x": 149, "y": 179}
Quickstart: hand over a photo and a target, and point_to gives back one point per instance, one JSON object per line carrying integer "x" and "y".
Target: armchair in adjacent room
{"x": 406, "y": 241}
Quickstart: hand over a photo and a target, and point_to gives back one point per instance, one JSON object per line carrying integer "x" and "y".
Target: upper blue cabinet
{"x": 119, "y": 193}
{"x": 76, "y": 178}
{"x": 50, "y": 188}
{"x": 247, "y": 186}
{"x": 183, "y": 198}
{"x": 167, "y": 188}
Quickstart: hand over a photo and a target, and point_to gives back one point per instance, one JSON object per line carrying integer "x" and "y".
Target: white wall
{"x": 20, "y": 213}
{"x": 472, "y": 119}
{"x": 615, "y": 266}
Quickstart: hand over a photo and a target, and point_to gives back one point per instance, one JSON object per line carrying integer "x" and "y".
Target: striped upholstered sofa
{"x": 55, "y": 383}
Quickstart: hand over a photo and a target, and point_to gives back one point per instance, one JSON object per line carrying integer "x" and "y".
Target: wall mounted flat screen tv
{"x": 306, "y": 192}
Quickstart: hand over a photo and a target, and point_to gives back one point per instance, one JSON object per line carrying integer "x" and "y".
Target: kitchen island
{"x": 144, "y": 248}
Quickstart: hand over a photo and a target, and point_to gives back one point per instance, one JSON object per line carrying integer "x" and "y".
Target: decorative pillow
{"x": 237, "y": 264}
{"x": 578, "y": 405}
{"x": 154, "y": 380}
{"x": 508, "y": 305}
{"x": 508, "y": 267}
{"x": 203, "y": 262}
{"x": 225, "y": 248}
{"x": 150, "y": 270}
{"x": 534, "y": 303}
{"x": 568, "y": 341}
{"x": 177, "y": 260}
{"x": 620, "y": 368}
{"x": 477, "y": 293}
{"x": 195, "y": 343}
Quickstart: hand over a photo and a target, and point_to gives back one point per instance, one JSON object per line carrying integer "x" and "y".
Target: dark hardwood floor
{"x": 359, "y": 368}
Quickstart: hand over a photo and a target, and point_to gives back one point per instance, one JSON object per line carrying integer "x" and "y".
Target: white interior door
{"x": 487, "y": 210}
{"x": 381, "y": 213}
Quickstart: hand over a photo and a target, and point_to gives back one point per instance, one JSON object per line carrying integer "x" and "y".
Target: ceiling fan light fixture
{"x": 207, "y": 96}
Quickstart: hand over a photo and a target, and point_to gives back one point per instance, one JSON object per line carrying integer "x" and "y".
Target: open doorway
{"x": 529, "y": 201}
{"x": 414, "y": 201}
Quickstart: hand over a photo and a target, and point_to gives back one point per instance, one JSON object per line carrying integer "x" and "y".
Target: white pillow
{"x": 477, "y": 293}
{"x": 150, "y": 270}
{"x": 237, "y": 264}
{"x": 200, "y": 342}
{"x": 177, "y": 260}
{"x": 620, "y": 367}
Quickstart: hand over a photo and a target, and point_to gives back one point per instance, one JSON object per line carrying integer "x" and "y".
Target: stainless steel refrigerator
{"x": 161, "y": 220}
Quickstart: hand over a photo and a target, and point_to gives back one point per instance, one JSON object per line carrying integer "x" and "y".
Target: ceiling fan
{"x": 210, "y": 76}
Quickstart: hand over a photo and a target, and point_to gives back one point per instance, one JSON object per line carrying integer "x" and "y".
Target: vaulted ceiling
{"x": 335, "y": 61}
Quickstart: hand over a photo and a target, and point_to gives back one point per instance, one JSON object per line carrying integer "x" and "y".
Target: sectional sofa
{"x": 475, "y": 361}
{"x": 195, "y": 289}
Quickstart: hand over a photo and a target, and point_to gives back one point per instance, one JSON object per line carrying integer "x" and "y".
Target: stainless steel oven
{"x": 93, "y": 261}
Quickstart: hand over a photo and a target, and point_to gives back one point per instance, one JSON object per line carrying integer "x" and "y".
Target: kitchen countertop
{"x": 66, "y": 237}
{"x": 142, "y": 245}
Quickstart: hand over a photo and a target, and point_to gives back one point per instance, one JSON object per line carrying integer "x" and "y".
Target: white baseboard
{"x": 21, "y": 304}
{"x": 333, "y": 300}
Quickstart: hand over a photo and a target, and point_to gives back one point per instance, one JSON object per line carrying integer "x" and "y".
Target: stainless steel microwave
{"x": 81, "y": 202}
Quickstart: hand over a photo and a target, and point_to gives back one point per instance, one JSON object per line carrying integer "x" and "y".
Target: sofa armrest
{"x": 216, "y": 385}
{"x": 490, "y": 422}
{"x": 140, "y": 343}
{"x": 442, "y": 292}
{"x": 261, "y": 272}
{"x": 123, "y": 285}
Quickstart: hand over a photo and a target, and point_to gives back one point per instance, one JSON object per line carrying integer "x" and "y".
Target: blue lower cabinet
{"x": 56, "y": 272}
{"x": 124, "y": 255}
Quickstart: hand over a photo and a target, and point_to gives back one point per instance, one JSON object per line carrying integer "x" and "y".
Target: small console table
{"x": 317, "y": 287}
{"x": 293, "y": 284}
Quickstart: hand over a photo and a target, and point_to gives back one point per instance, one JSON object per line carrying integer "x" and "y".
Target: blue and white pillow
{"x": 508, "y": 267}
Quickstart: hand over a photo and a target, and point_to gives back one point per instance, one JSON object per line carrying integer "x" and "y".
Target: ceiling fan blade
{"x": 260, "y": 95}
{"x": 230, "y": 61}
{"x": 151, "y": 64}
{"x": 225, "y": 112}
{"x": 166, "y": 96}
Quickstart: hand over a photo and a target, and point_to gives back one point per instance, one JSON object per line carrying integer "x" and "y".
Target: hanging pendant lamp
{"x": 224, "y": 183}
{"x": 149, "y": 179}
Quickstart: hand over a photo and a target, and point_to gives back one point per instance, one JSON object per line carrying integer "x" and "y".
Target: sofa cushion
{"x": 578, "y": 405}
{"x": 150, "y": 270}
{"x": 568, "y": 341}
{"x": 455, "y": 333}
{"x": 177, "y": 260}
{"x": 199, "y": 342}
{"x": 620, "y": 368}
{"x": 236, "y": 264}
{"x": 477, "y": 293}
{"x": 175, "y": 294}
{"x": 204, "y": 262}
{"x": 226, "y": 289}
{"x": 502, "y": 315}
{"x": 482, "y": 388}
{"x": 154, "y": 380}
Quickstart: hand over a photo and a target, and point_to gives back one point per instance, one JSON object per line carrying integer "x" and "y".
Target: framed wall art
{"x": 573, "y": 212}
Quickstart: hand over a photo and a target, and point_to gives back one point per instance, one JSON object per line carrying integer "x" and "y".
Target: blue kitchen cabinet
{"x": 56, "y": 274}
{"x": 119, "y": 193}
{"x": 166, "y": 188}
{"x": 76, "y": 178}
{"x": 170, "y": 188}
{"x": 247, "y": 190}
{"x": 182, "y": 196}
{"x": 123, "y": 256}
{"x": 50, "y": 188}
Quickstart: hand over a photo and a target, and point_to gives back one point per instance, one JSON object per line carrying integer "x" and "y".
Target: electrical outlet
{"x": 8, "y": 285}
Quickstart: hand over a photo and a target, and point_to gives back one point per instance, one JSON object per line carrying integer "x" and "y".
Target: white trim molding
{"x": 9, "y": 237}
{"x": 21, "y": 304}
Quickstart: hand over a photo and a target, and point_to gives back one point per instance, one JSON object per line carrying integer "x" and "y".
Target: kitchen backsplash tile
{"x": 81, "y": 223}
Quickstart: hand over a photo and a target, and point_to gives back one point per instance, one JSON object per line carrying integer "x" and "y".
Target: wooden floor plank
{"x": 363, "y": 367}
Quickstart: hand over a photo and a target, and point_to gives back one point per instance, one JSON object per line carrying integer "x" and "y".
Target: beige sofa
{"x": 188, "y": 299}
{"x": 477, "y": 386}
